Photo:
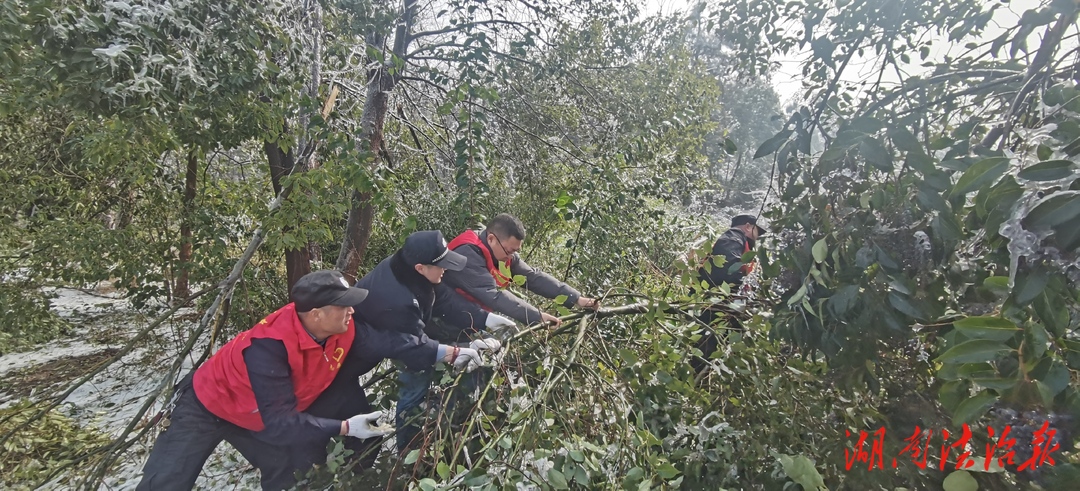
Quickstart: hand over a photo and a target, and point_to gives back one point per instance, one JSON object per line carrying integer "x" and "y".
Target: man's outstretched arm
{"x": 476, "y": 281}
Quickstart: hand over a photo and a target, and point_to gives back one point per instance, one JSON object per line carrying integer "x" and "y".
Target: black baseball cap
{"x": 429, "y": 247}
{"x": 326, "y": 287}
{"x": 744, "y": 219}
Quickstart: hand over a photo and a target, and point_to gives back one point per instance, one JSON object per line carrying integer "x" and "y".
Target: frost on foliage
{"x": 1027, "y": 243}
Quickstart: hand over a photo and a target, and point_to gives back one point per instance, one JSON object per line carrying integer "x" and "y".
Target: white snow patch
{"x": 112, "y": 398}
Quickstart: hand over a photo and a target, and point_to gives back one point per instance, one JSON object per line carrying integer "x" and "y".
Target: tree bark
{"x": 361, "y": 214}
{"x": 186, "y": 242}
{"x": 377, "y": 101}
{"x": 297, "y": 261}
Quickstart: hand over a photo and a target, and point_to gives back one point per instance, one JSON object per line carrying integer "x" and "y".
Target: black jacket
{"x": 478, "y": 283}
{"x": 730, "y": 246}
{"x": 401, "y": 301}
{"x": 267, "y": 363}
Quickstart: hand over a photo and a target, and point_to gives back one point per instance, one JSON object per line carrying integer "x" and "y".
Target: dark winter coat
{"x": 730, "y": 246}
{"x": 401, "y": 301}
{"x": 476, "y": 281}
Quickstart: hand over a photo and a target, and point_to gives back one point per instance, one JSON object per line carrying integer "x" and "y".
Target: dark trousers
{"x": 181, "y": 450}
{"x": 413, "y": 394}
{"x": 710, "y": 341}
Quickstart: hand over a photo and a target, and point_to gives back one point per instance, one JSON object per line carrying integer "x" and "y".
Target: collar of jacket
{"x": 483, "y": 234}
{"x": 410, "y": 277}
{"x": 746, "y": 240}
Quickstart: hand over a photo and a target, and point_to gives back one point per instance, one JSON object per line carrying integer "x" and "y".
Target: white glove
{"x": 468, "y": 359}
{"x": 496, "y": 321}
{"x": 490, "y": 344}
{"x": 360, "y": 426}
{"x": 500, "y": 326}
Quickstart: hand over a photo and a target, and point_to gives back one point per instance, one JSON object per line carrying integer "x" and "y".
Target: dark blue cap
{"x": 745, "y": 219}
{"x": 429, "y": 247}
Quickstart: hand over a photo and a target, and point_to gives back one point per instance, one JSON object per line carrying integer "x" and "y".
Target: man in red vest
{"x": 731, "y": 246}
{"x": 491, "y": 254}
{"x": 738, "y": 240}
{"x": 278, "y": 392}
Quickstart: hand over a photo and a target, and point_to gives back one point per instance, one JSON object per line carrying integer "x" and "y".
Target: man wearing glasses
{"x": 492, "y": 262}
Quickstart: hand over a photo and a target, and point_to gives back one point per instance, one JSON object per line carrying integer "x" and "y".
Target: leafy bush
{"x": 25, "y": 318}
{"x": 30, "y": 455}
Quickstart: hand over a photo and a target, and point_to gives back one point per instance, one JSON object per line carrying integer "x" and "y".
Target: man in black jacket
{"x": 405, "y": 290}
{"x": 736, "y": 241}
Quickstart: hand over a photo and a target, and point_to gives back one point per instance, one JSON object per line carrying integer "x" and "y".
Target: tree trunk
{"x": 297, "y": 261}
{"x": 182, "y": 290}
{"x": 380, "y": 83}
{"x": 361, "y": 215}
{"x": 731, "y": 180}
{"x": 358, "y": 234}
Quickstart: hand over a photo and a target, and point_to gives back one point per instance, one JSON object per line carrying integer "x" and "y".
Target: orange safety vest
{"x": 472, "y": 237}
{"x": 224, "y": 388}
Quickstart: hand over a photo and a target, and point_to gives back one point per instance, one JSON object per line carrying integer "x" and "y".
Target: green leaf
{"x": 443, "y": 470}
{"x": 995, "y": 383}
{"x": 667, "y": 471}
{"x": 557, "y": 479}
{"x": 921, "y": 162}
{"x": 772, "y": 144}
{"x": 1056, "y": 377}
{"x": 909, "y": 306}
{"x": 1044, "y": 152}
{"x": 1057, "y": 209}
{"x": 800, "y": 294}
{"x": 801, "y": 470}
{"x": 905, "y": 140}
{"x": 876, "y": 154}
{"x": 730, "y": 147}
{"x": 834, "y": 152}
{"x": 1000, "y": 197}
{"x": 1029, "y": 285}
{"x": 974, "y": 407}
{"x": 997, "y": 284}
{"x": 960, "y": 481}
{"x": 974, "y": 351}
{"x": 820, "y": 250}
{"x": 412, "y": 456}
{"x": 982, "y": 173}
{"x": 633, "y": 477}
{"x": 932, "y": 201}
{"x": 1073, "y": 148}
{"x": 987, "y": 327}
{"x": 952, "y": 393}
{"x": 1050, "y": 170}
{"x": 844, "y": 299}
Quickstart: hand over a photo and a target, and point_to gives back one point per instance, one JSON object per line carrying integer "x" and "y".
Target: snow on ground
{"x": 112, "y": 398}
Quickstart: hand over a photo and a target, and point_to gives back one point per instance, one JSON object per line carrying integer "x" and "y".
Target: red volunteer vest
{"x": 472, "y": 237}
{"x": 748, "y": 267}
{"x": 222, "y": 383}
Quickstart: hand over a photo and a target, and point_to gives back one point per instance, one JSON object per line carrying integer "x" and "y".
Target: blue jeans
{"x": 412, "y": 393}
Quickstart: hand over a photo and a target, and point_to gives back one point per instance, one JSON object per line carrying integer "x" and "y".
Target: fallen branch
{"x": 56, "y": 401}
